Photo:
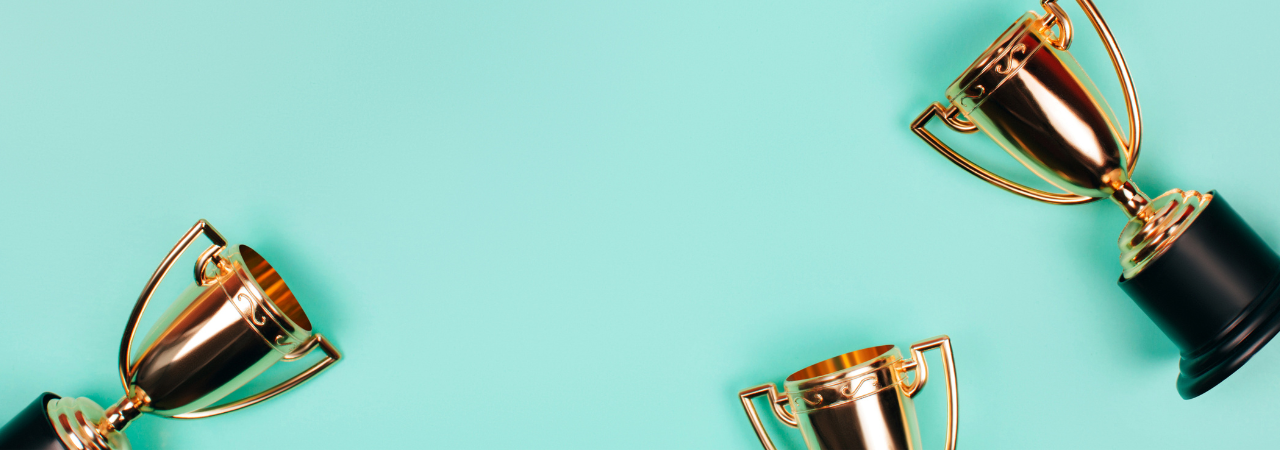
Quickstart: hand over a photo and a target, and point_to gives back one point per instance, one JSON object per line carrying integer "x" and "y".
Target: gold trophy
{"x": 236, "y": 320}
{"x": 858, "y": 400}
{"x": 1189, "y": 261}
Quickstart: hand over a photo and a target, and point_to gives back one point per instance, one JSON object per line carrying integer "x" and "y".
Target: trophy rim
{"x": 286, "y": 306}
{"x": 842, "y": 364}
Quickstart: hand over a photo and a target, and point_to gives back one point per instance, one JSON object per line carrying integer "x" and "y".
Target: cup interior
{"x": 839, "y": 363}
{"x": 274, "y": 287}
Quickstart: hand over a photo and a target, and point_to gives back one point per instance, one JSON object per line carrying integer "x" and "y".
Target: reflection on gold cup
{"x": 1032, "y": 98}
{"x": 236, "y": 320}
{"x": 1187, "y": 258}
{"x": 858, "y": 400}
{"x": 1030, "y": 95}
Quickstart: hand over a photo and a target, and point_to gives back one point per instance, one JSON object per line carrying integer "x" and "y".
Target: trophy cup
{"x": 1188, "y": 260}
{"x": 228, "y": 327}
{"x": 858, "y": 400}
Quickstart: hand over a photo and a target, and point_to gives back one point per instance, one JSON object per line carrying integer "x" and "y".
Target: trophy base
{"x": 31, "y": 429}
{"x": 1214, "y": 293}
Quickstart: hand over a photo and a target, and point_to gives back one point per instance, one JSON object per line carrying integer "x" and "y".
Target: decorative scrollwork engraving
{"x": 817, "y": 399}
{"x": 282, "y": 340}
{"x": 849, "y": 389}
{"x": 1010, "y": 62}
{"x": 981, "y": 90}
{"x": 256, "y": 315}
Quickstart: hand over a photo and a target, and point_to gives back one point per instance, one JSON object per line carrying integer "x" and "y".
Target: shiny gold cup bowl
{"x": 1187, "y": 258}
{"x": 216, "y": 338}
{"x": 228, "y": 327}
{"x": 858, "y": 400}
{"x": 1030, "y": 95}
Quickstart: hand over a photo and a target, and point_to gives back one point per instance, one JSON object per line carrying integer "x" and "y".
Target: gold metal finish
{"x": 1149, "y": 233}
{"x": 331, "y": 356}
{"x": 219, "y": 243}
{"x": 1130, "y": 199}
{"x": 1072, "y": 142}
{"x": 1133, "y": 110}
{"x": 234, "y": 322}
{"x": 986, "y": 175}
{"x": 779, "y": 407}
{"x": 1031, "y": 96}
{"x": 917, "y": 362}
{"x": 118, "y": 416}
{"x": 858, "y": 400}
{"x": 1065, "y": 31}
{"x": 79, "y": 423}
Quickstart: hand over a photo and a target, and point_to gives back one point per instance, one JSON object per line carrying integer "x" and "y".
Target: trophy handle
{"x": 1065, "y": 30}
{"x": 210, "y": 255}
{"x": 951, "y": 116}
{"x": 1056, "y": 15}
{"x": 921, "y": 367}
{"x": 779, "y": 410}
{"x": 317, "y": 340}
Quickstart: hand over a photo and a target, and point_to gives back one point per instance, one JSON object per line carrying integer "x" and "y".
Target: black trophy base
{"x": 1214, "y": 293}
{"x": 30, "y": 429}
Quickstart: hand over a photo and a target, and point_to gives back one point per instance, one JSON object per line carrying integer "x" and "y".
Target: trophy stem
{"x": 118, "y": 416}
{"x": 1131, "y": 200}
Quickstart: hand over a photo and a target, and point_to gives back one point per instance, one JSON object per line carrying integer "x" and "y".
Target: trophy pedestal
{"x": 30, "y": 429}
{"x": 1214, "y": 293}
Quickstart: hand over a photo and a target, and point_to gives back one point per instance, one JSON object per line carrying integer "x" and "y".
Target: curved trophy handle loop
{"x": 779, "y": 410}
{"x": 921, "y": 367}
{"x": 1058, "y": 16}
{"x": 317, "y": 340}
{"x": 1055, "y": 16}
{"x": 210, "y": 255}
{"x": 1065, "y": 33}
{"x": 950, "y": 117}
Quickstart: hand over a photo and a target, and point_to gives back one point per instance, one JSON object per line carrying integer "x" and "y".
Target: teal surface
{"x": 589, "y": 224}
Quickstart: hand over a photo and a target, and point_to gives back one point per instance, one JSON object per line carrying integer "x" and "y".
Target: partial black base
{"x": 30, "y": 429}
{"x": 1214, "y": 293}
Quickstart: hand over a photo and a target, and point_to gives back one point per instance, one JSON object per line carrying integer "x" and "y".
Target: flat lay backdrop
{"x": 582, "y": 224}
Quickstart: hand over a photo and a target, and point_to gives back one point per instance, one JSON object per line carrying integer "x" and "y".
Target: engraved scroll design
{"x": 255, "y": 313}
{"x": 817, "y": 399}
{"x": 981, "y": 90}
{"x": 848, "y": 390}
{"x": 1009, "y": 61}
{"x": 842, "y": 393}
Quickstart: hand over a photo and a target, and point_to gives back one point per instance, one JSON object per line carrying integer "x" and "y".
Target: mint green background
{"x": 589, "y": 224}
